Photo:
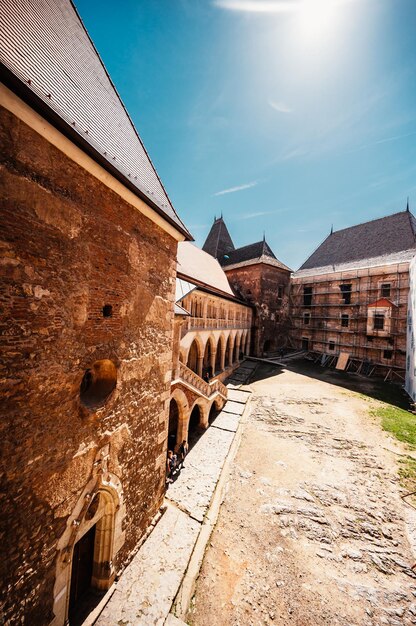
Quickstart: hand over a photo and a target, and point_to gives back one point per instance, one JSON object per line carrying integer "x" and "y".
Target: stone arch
{"x": 236, "y": 349}
{"x": 203, "y": 405}
{"x": 214, "y": 408}
{"x": 229, "y": 351}
{"x": 243, "y": 347}
{"x": 240, "y": 345}
{"x": 98, "y": 513}
{"x": 220, "y": 354}
{"x": 195, "y": 355}
{"x": 183, "y": 415}
{"x": 248, "y": 338}
{"x": 209, "y": 356}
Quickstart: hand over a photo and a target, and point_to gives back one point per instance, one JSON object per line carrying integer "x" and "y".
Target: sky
{"x": 284, "y": 116}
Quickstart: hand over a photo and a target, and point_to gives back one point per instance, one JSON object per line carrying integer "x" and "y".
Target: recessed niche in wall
{"x": 97, "y": 383}
{"x": 107, "y": 310}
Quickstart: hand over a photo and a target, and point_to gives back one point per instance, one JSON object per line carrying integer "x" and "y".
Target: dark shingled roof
{"x": 48, "y": 59}
{"x": 259, "y": 251}
{"x": 219, "y": 241}
{"x": 248, "y": 253}
{"x": 377, "y": 238}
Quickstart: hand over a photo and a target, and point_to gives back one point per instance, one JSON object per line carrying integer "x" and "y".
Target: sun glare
{"x": 317, "y": 20}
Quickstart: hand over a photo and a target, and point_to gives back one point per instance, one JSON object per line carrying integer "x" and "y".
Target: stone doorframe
{"x": 100, "y": 504}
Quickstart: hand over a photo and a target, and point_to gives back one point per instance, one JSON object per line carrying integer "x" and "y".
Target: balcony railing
{"x": 203, "y": 323}
{"x": 207, "y": 389}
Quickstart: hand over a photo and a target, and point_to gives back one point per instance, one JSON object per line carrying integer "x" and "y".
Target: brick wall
{"x": 70, "y": 247}
{"x": 259, "y": 284}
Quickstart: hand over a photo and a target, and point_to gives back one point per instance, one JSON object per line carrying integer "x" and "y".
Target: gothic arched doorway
{"x": 193, "y": 355}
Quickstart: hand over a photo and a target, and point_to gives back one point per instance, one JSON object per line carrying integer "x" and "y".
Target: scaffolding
{"x": 332, "y": 316}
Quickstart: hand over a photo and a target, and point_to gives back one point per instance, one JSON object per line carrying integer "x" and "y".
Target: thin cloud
{"x": 257, "y": 6}
{"x": 281, "y": 107}
{"x": 386, "y": 140}
{"x": 249, "y": 216}
{"x": 293, "y": 154}
{"x": 265, "y": 6}
{"x": 238, "y": 188}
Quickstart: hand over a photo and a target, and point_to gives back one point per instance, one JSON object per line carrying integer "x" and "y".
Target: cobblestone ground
{"x": 312, "y": 530}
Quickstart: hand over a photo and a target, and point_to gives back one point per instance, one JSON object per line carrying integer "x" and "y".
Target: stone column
{"x": 213, "y": 357}
{"x": 223, "y": 351}
{"x": 200, "y": 365}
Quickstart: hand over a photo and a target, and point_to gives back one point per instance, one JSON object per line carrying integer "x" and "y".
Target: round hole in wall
{"x": 97, "y": 383}
{"x": 107, "y": 310}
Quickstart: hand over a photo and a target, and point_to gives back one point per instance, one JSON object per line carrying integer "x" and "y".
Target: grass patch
{"x": 407, "y": 473}
{"x": 400, "y": 423}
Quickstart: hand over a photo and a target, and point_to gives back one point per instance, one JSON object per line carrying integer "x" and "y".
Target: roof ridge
{"x": 376, "y": 219}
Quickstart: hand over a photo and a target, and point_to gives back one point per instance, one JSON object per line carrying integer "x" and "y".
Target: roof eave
{"x": 213, "y": 290}
{"x": 259, "y": 261}
{"x": 14, "y": 83}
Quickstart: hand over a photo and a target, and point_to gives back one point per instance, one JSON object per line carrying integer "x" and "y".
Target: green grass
{"x": 398, "y": 422}
{"x": 407, "y": 473}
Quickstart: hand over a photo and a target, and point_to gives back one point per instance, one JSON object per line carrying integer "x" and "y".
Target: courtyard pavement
{"x": 148, "y": 586}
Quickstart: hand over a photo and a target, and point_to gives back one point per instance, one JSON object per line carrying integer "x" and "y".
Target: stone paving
{"x": 146, "y": 590}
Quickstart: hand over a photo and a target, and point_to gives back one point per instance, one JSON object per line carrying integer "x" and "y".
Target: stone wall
{"x": 259, "y": 285}
{"x": 72, "y": 247}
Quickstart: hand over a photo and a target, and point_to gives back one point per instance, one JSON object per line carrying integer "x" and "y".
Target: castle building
{"x": 350, "y": 296}
{"x": 89, "y": 252}
{"x": 211, "y": 337}
{"x": 260, "y": 279}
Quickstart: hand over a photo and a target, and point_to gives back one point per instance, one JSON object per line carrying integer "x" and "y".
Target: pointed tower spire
{"x": 407, "y": 206}
{"x": 218, "y": 242}
{"x": 264, "y": 246}
{"x": 332, "y": 229}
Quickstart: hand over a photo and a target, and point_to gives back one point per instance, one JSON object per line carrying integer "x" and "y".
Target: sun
{"x": 317, "y": 20}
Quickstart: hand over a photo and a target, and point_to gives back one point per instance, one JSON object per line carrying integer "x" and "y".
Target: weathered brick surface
{"x": 259, "y": 284}
{"x": 70, "y": 246}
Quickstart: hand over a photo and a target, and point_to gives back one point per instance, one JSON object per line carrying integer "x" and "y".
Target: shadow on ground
{"x": 391, "y": 393}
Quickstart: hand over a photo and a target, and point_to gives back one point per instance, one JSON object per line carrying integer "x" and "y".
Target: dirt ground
{"x": 312, "y": 530}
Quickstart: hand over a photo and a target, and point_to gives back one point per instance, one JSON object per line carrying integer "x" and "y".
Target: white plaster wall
{"x": 410, "y": 384}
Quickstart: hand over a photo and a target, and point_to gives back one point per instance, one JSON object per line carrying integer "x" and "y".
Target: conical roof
{"x": 219, "y": 242}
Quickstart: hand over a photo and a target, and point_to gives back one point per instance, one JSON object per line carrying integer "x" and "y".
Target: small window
{"x": 345, "y": 321}
{"x": 346, "y": 293}
{"x": 387, "y": 354}
{"x": 369, "y": 338}
{"x": 378, "y": 321}
{"x": 280, "y": 292}
{"x": 331, "y": 346}
{"x": 107, "y": 310}
{"x": 307, "y": 296}
{"x": 306, "y": 318}
{"x": 385, "y": 290}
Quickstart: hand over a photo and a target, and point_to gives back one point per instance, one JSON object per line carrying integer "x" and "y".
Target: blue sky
{"x": 286, "y": 116}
